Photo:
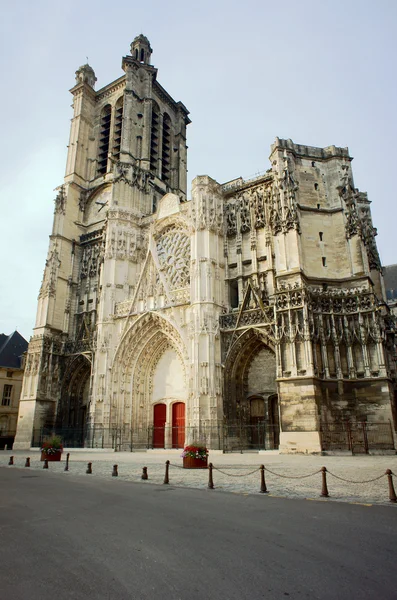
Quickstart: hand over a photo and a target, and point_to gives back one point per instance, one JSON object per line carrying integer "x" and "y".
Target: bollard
{"x": 392, "y": 493}
{"x": 210, "y": 480}
{"x": 89, "y": 469}
{"x": 324, "y": 489}
{"x": 144, "y": 473}
{"x": 115, "y": 472}
{"x": 167, "y": 467}
{"x": 45, "y": 466}
{"x": 11, "y": 461}
{"x": 263, "y": 489}
{"x": 67, "y": 462}
{"x": 27, "y": 462}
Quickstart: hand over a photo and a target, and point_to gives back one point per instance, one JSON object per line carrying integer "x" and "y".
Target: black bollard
{"x": 144, "y": 473}
{"x": 11, "y": 461}
{"x": 67, "y": 462}
{"x": 210, "y": 480}
{"x": 27, "y": 462}
{"x": 115, "y": 472}
{"x": 392, "y": 493}
{"x": 324, "y": 489}
{"x": 89, "y": 469}
{"x": 167, "y": 467}
{"x": 45, "y": 466}
{"x": 263, "y": 489}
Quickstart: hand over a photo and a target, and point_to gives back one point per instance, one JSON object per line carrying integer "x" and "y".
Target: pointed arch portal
{"x": 250, "y": 392}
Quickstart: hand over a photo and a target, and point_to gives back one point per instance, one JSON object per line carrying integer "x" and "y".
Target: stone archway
{"x": 73, "y": 407}
{"x": 250, "y": 388}
{"x": 150, "y": 367}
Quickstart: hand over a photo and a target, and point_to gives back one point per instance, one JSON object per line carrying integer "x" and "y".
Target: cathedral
{"x": 250, "y": 314}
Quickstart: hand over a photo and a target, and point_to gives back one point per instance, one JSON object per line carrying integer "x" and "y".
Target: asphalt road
{"x": 66, "y": 537}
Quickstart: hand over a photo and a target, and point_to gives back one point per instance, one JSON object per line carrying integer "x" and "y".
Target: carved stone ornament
{"x": 134, "y": 176}
{"x": 60, "y": 201}
{"x": 173, "y": 250}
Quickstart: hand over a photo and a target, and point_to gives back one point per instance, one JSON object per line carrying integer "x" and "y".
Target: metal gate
{"x": 358, "y": 437}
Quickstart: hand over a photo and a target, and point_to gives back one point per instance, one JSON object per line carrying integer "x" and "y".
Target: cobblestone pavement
{"x": 287, "y": 476}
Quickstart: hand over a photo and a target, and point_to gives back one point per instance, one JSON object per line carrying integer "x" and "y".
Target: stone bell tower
{"x": 127, "y": 150}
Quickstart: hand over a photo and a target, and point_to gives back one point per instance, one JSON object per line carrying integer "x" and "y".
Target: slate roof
{"x": 11, "y": 349}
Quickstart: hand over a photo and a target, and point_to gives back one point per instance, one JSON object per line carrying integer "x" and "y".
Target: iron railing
{"x": 358, "y": 437}
{"x": 226, "y": 437}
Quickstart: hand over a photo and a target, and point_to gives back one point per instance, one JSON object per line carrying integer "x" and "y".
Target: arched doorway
{"x": 159, "y": 420}
{"x": 250, "y": 380}
{"x": 178, "y": 425}
{"x": 75, "y": 396}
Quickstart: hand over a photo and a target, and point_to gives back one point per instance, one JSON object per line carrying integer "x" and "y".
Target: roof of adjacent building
{"x": 11, "y": 349}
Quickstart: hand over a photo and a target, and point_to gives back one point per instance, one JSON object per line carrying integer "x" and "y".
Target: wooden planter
{"x": 195, "y": 463}
{"x": 51, "y": 457}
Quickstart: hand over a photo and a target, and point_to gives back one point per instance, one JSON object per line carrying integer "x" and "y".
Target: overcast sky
{"x": 320, "y": 73}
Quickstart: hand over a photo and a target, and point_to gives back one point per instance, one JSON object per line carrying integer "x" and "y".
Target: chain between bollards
{"x": 115, "y": 472}
{"x": 324, "y": 489}
{"x": 11, "y": 461}
{"x": 144, "y": 475}
{"x": 67, "y": 462}
{"x": 89, "y": 468}
{"x": 210, "y": 479}
{"x": 167, "y": 468}
{"x": 263, "y": 489}
{"x": 392, "y": 493}
{"x": 27, "y": 462}
{"x": 45, "y": 466}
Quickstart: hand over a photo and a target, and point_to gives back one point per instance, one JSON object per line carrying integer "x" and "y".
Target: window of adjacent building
{"x": 324, "y": 261}
{"x": 154, "y": 139}
{"x": 118, "y": 124}
{"x": 9, "y": 373}
{"x": 6, "y": 400}
{"x": 166, "y": 149}
{"x": 3, "y": 424}
{"x": 104, "y": 137}
{"x": 320, "y": 235}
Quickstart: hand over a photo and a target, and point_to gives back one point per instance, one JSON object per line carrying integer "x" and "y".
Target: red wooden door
{"x": 178, "y": 425}
{"x": 159, "y": 419}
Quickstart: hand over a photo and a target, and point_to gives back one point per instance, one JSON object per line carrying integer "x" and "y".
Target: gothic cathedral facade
{"x": 162, "y": 320}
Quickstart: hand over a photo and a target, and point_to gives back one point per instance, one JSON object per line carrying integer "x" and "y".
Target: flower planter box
{"x": 51, "y": 457}
{"x": 194, "y": 463}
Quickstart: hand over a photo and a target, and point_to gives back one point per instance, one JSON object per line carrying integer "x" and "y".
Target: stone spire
{"x": 86, "y": 74}
{"x": 141, "y": 49}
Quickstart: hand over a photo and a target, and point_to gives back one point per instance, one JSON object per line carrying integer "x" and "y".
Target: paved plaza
{"x": 286, "y": 476}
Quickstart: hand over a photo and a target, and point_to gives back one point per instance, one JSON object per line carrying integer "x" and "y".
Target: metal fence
{"x": 6, "y": 439}
{"x": 358, "y": 437}
{"x": 227, "y": 437}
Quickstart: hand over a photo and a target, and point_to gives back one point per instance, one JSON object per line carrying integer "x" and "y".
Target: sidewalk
{"x": 238, "y": 473}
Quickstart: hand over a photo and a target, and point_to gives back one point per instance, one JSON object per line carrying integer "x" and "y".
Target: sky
{"x": 320, "y": 73}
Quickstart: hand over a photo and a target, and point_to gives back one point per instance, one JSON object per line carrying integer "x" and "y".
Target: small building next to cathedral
{"x": 249, "y": 314}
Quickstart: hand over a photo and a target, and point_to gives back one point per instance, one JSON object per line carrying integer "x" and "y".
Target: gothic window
{"x": 136, "y": 53}
{"x": 139, "y": 146}
{"x": 166, "y": 150}
{"x": 142, "y": 55}
{"x": 104, "y": 137}
{"x": 154, "y": 139}
{"x": 118, "y": 123}
{"x": 233, "y": 294}
{"x": 6, "y": 400}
